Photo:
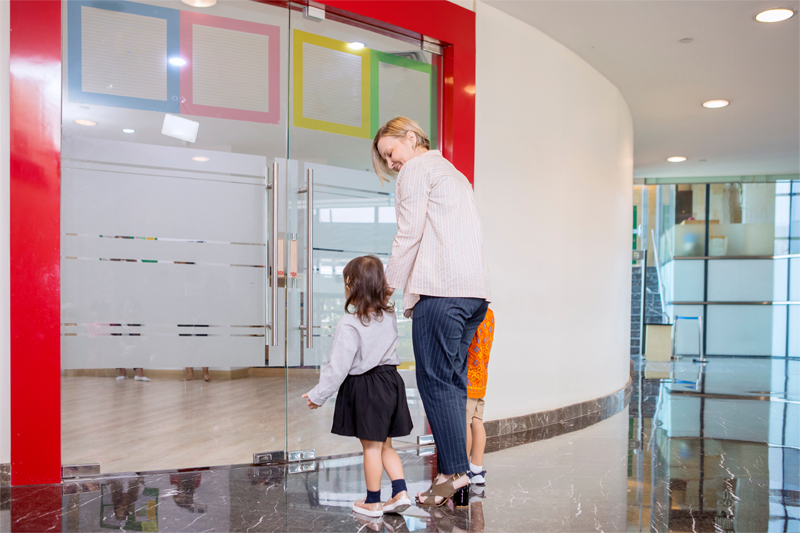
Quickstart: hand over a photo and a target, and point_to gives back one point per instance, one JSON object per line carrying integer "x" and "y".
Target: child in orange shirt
{"x": 477, "y": 372}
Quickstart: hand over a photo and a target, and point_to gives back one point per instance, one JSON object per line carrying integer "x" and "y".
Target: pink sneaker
{"x": 368, "y": 509}
{"x": 398, "y": 504}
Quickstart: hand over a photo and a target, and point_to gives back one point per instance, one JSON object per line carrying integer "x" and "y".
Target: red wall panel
{"x": 35, "y": 243}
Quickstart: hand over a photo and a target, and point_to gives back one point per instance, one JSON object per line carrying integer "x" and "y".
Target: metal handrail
{"x": 709, "y": 257}
{"x": 662, "y": 290}
{"x": 736, "y": 303}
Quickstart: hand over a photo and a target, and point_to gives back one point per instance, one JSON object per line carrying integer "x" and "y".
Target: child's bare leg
{"x": 478, "y": 434}
{"x": 391, "y": 461}
{"x": 469, "y": 442}
{"x": 373, "y": 466}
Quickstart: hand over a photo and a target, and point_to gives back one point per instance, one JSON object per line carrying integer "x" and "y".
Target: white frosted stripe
{"x": 331, "y": 85}
{"x": 230, "y": 69}
{"x": 123, "y": 54}
{"x": 404, "y": 92}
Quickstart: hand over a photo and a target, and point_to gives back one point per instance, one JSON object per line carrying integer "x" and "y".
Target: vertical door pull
{"x": 309, "y": 307}
{"x": 273, "y": 267}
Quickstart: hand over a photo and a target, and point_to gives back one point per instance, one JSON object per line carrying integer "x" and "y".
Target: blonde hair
{"x": 397, "y": 127}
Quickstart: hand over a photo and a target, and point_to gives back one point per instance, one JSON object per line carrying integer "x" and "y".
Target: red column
{"x": 35, "y": 243}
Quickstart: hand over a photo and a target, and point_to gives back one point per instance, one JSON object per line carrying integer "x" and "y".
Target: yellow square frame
{"x": 299, "y": 120}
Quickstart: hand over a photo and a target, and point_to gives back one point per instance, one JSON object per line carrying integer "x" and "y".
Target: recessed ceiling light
{"x": 356, "y": 46}
{"x": 128, "y": 130}
{"x": 676, "y": 159}
{"x": 201, "y": 158}
{"x": 199, "y": 3}
{"x": 84, "y": 122}
{"x": 686, "y": 40}
{"x": 177, "y": 61}
{"x": 775, "y": 15}
{"x": 716, "y": 104}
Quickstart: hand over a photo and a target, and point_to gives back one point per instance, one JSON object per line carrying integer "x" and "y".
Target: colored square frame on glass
{"x": 298, "y": 120}
{"x": 377, "y": 57}
{"x": 187, "y": 106}
{"x": 75, "y": 51}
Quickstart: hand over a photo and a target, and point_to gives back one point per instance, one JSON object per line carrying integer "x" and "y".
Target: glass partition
{"x": 171, "y": 117}
{"x": 346, "y": 81}
{"x": 731, "y": 259}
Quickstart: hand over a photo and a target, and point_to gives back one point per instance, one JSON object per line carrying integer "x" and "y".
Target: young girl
{"x": 371, "y": 404}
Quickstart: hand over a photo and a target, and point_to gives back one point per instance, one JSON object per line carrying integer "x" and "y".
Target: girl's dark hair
{"x": 368, "y": 289}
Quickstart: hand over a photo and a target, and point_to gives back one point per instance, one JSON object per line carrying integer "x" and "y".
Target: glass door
{"x": 173, "y": 119}
{"x": 344, "y": 82}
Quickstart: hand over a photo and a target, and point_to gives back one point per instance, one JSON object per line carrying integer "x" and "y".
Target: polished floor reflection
{"x": 707, "y": 448}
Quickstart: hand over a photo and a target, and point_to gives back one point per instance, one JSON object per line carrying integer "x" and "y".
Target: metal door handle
{"x": 273, "y": 267}
{"x": 309, "y": 326}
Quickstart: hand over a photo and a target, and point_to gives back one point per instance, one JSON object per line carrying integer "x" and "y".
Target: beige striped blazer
{"x": 438, "y": 249}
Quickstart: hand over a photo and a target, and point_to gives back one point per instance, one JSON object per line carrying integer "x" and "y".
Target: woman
{"x": 438, "y": 261}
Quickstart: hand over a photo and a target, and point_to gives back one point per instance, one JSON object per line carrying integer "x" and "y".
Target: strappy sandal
{"x": 446, "y": 491}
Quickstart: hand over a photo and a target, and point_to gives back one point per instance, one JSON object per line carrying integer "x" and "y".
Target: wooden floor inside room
{"x": 135, "y": 426}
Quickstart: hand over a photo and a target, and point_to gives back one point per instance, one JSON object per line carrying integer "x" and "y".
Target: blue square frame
{"x": 75, "y": 68}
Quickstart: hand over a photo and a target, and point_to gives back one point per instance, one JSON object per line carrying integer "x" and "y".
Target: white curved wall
{"x": 554, "y": 183}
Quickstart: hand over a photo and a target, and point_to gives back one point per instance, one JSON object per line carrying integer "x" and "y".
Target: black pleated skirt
{"x": 373, "y": 406}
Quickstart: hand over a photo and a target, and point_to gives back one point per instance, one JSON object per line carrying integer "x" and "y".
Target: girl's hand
{"x": 311, "y": 405}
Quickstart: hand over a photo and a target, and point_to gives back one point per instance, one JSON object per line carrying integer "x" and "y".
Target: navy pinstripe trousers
{"x": 442, "y": 330}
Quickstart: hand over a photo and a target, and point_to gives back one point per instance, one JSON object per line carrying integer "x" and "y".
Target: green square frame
{"x": 377, "y": 57}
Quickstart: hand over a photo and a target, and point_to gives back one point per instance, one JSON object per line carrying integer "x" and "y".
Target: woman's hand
{"x": 311, "y": 405}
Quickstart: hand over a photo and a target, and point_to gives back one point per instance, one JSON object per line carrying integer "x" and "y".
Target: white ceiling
{"x": 635, "y": 45}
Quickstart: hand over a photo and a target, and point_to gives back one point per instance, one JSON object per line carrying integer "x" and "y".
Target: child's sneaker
{"x": 477, "y": 478}
{"x": 398, "y": 504}
{"x": 374, "y": 510}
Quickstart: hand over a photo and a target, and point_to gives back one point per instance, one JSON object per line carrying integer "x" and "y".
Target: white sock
{"x": 476, "y": 469}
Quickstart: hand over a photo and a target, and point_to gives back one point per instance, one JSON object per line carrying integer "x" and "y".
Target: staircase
{"x": 652, "y": 304}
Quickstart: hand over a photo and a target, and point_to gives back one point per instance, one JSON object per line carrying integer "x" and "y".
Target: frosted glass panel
{"x": 136, "y": 64}
{"x": 744, "y": 329}
{"x": 688, "y": 281}
{"x": 221, "y": 56}
{"x": 162, "y": 267}
{"x": 331, "y": 85}
{"x": 404, "y": 92}
{"x": 735, "y": 280}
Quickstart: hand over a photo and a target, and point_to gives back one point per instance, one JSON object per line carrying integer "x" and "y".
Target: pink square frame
{"x": 188, "y": 107}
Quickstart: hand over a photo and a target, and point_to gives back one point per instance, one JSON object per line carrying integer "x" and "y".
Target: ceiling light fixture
{"x": 716, "y": 104}
{"x": 356, "y": 46}
{"x": 199, "y": 3}
{"x": 177, "y": 61}
{"x": 686, "y": 40}
{"x": 201, "y": 159}
{"x": 676, "y": 159}
{"x": 128, "y": 130}
{"x": 775, "y": 15}
{"x": 84, "y": 122}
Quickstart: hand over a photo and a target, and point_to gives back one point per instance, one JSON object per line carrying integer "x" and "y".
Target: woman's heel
{"x": 461, "y": 497}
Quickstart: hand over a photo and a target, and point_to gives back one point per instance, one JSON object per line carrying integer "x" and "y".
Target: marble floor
{"x": 706, "y": 448}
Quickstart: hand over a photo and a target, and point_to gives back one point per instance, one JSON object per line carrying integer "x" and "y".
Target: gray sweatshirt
{"x": 357, "y": 349}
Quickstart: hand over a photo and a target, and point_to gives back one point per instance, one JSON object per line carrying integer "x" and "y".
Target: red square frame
{"x": 35, "y": 199}
{"x": 189, "y": 19}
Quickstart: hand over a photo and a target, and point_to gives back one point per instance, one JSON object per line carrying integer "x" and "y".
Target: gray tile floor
{"x": 715, "y": 450}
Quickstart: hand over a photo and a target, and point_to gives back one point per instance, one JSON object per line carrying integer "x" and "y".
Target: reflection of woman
{"x": 438, "y": 261}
